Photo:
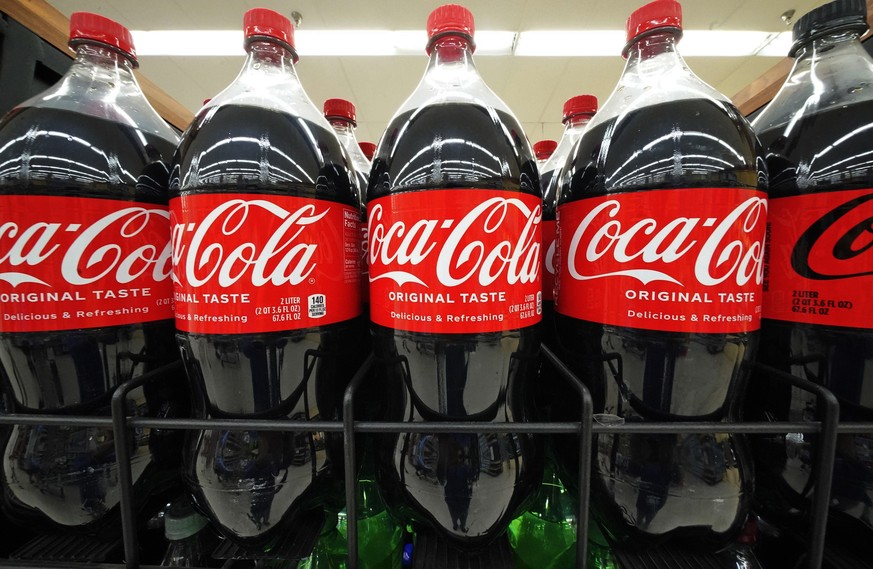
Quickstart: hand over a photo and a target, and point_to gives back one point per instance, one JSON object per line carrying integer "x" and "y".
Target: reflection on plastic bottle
{"x": 654, "y": 458}
{"x": 461, "y": 452}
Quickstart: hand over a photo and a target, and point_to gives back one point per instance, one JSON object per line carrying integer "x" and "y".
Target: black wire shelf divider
{"x": 827, "y": 429}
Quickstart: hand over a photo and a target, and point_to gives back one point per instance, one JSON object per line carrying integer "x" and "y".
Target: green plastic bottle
{"x": 379, "y": 536}
{"x": 544, "y": 537}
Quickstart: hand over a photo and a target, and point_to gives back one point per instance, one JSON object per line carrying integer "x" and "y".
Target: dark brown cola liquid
{"x": 253, "y": 484}
{"x": 826, "y": 151}
{"x": 468, "y": 485}
{"x": 650, "y": 487}
{"x": 68, "y": 476}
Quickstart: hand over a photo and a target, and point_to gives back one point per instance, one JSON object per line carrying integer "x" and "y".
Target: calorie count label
{"x": 247, "y": 263}
{"x": 73, "y": 263}
{"x": 819, "y": 264}
{"x": 695, "y": 265}
{"x": 474, "y": 267}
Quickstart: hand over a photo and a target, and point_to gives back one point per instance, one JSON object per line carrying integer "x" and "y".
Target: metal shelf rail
{"x": 827, "y": 429}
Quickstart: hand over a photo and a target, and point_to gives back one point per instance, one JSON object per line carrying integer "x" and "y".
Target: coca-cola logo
{"x": 218, "y": 246}
{"x": 496, "y": 240}
{"x": 610, "y": 241}
{"x": 839, "y": 244}
{"x": 121, "y": 247}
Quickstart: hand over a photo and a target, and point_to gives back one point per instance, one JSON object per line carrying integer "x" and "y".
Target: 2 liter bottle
{"x": 454, "y": 212}
{"x": 265, "y": 221}
{"x": 661, "y": 225}
{"x": 85, "y": 287}
{"x": 817, "y": 304}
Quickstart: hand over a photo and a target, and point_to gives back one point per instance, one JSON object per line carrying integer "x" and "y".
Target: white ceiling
{"x": 535, "y": 88}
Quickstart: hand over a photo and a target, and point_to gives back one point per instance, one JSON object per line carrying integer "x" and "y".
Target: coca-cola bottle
{"x": 660, "y": 250}
{"x": 85, "y": 289}
{"x": 818, "y": 310}
{"x": 552, "y": 388}
{"x": 545, "y": 535}
{"x": 369, "y": 150}
{"x": 454, "y": 209}
{"x": 342, "y": 117}
{"x": 543, "y": 149}
{"x": 265, "y": 230}
{"x": 577, "y": 112}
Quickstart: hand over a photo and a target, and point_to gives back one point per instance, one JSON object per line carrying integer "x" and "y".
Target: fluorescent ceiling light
{"x": 188, "y": 42}
{"x": 386, "y": 42}
{"x": 779, "y": 46}
{"x": 609, "y": 43}
{"x": 716, "y": 43}
{"x": 309, "y": 42}
{"x": 567, "y": 43}
{"x": 494, "y": 43}
{"x": 570, "y": 43}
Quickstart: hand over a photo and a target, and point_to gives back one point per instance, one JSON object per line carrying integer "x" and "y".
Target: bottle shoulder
{"x": 104, "y": 92}
{"x": 454, "y": 144}
{"x": 249, "y": 148}
{"x": 692, "y": 142}
{"x": 823, "y": 150}
{"x": 54, "y": 151}
{"x": 820, "y": 81}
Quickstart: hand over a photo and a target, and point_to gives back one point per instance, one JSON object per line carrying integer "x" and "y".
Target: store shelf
{"x": 432, "y": 552}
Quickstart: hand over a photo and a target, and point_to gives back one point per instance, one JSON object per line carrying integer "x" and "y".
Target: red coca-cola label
{"x": 687, "y": 260}
{"x": 549, "y": 249}
{"x": 68, "y": 263}
{"x": 455, "y": 261}
{"x": 247, "y": 263}
{"x": 819, "y": 267}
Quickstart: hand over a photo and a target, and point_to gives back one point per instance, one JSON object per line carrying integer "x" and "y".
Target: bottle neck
{"x": 452, "y": 53}
{"x": 102, "y": 74}
{"x": 652, "y": 52}
{"x": 577, "y": 122}
{"x": 845, "y": 40}
{"x": 269, "y": 61}
{"x": 828, "y": 62}
{"x": 99, "y": 62}
{"x": 344, "y": 129}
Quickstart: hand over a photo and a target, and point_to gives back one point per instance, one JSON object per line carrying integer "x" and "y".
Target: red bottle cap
{"x": 579, "y": 105}
{"x": 85, "y": 26}
{"x": 544, "y": 148}
{"x": 265, "y": 23}
{"x": 653, "y": 16}
{"x": 368, "y": 148}
{"x": 450, "y": 20}
{"x": 340, "y": 109}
